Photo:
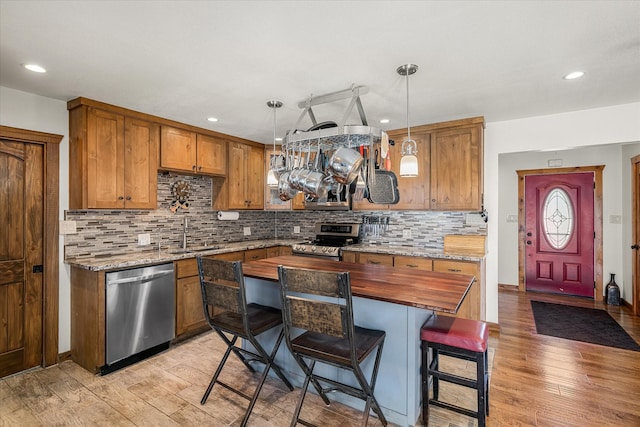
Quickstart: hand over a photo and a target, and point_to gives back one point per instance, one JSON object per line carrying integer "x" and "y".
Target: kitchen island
{"x": 396, "y": 300}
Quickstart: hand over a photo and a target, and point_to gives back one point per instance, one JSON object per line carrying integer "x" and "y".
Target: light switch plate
{"x": 512, "y": 218}
{"x": 615, "y": 219}
{"x": 406, "y": 233}
{"x": 144, "y": 239}
{"x": 68, "y": 227}
{"x": 247, "y": 231}
{"x": 296, "y": 229}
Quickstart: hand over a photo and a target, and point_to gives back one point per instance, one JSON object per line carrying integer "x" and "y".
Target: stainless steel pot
{"x": 344, "y": 165}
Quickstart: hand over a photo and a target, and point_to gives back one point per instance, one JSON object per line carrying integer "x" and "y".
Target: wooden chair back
{"x": 222, "y": 285}
{"x": 317, "y": 301}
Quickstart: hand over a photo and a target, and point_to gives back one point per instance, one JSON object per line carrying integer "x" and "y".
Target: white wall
{"x": 614, "y": 199}
{"x": 609, "y": 125}
{"x": 27, "y": 111}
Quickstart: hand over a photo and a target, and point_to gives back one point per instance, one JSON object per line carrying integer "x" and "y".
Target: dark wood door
{"x": 559, "y": 233}
{"x": 21, "y": 256}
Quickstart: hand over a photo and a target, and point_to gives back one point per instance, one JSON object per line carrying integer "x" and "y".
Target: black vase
{"x": 612, "y": 293}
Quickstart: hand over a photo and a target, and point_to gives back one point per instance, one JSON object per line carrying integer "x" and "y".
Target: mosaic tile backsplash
{"x": 106, "y": 232}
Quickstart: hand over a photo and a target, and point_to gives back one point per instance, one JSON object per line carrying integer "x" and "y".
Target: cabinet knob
{"x": 199, "y": 168}
{"x": 128, "y": 197}
{"x": 433, "y": 200}
{"x": 120, "y": 198}
{"x": 193, "y": 168}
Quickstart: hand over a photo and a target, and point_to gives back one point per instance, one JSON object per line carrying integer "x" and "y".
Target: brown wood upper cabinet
{"x": 112, "y": 160}
{"x": 187, "y": 151}
{"x": 246, "y": 176}
{"x": 450, "y": 160}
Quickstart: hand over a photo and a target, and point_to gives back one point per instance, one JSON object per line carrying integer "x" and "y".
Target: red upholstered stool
{"x": 463, "y": 339}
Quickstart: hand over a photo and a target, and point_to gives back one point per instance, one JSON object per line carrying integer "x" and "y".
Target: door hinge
{"x": 38, "y": 268}
{"x": 594, "y": 235}
{"x": 594, "y": 284}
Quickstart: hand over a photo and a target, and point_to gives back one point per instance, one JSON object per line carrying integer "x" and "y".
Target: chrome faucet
{"x": 184, "y": 234}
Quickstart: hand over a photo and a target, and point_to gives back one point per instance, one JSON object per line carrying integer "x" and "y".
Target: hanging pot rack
{"x": 331, "y": 138}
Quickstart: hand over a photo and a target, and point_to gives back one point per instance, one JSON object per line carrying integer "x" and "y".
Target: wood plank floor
{"x": 535, "y": 381}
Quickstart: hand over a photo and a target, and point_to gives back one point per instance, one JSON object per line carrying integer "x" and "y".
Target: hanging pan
{"x": 383, "y": 187}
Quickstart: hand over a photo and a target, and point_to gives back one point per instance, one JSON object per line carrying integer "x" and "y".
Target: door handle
{"x": 529, "y": 234}
{"x": 528, "y": 242}
{"x": 636, "y": 247}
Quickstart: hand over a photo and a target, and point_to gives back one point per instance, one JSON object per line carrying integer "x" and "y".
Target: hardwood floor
{"x": 535, "y": 381}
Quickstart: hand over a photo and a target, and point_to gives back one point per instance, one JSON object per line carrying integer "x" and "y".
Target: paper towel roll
{"x": 228, "y": 216}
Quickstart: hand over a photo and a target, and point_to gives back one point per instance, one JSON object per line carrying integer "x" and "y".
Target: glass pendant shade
{"x": 409, "y": 161}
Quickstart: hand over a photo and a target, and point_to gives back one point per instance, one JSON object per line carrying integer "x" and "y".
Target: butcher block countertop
{"x": 421, "y": 289}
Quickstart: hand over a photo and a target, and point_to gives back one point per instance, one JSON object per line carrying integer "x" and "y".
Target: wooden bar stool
{"x": 463, "y": 339}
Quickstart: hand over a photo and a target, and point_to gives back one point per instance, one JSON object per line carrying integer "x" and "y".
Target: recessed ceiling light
{"x": 384, "y": 121}
{"x": 212, "y": 119}
{"x": 35, "y": 68}
{"x": 278, "y": 139}
{"x": 574, "y": 75}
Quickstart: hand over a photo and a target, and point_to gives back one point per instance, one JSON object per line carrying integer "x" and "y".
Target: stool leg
{"x": 435, "y": 367}
{"x": 425, "y": 383}
{"x": 486, "y": 381}
{"x": 481, "y": 384}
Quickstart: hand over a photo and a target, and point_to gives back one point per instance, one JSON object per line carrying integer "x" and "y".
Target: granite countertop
{"x": 127, "y": 260}
{"x": 119, "y": 261}
{"x": 409, "y": 251}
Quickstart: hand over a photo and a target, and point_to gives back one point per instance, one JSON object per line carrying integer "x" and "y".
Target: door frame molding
{"x": 635, "y": 231}
{"x": 51, "y": 161}
{"x": 597, "y": 221}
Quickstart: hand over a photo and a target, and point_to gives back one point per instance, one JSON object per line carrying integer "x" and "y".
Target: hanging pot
{"x": 344, "y": 165}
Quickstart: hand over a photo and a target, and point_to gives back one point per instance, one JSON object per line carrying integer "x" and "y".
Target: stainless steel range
{"x": 329, "y": 238}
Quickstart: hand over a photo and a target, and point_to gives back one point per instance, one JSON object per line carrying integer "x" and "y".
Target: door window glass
{"x": 558, "y": 214}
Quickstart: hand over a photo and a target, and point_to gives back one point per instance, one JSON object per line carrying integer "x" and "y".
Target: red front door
{"x": 559, "y": 233}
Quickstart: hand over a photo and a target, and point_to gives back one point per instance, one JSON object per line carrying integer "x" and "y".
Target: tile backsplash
{"x": 105, "y": 232}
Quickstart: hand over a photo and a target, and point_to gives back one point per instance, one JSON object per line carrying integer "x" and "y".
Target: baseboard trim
{"x": 62, "y": 357}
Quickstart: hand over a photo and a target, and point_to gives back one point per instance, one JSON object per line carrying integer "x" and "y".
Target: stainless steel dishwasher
{"x": 140, "y": 311}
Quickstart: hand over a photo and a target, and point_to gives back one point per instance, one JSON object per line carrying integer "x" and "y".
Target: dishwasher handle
{"x": 140, "y": 278}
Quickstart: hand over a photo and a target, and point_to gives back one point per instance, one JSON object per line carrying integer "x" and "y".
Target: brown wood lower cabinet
{"x": 473, "y": 306}
{"x": 189, "y": 312}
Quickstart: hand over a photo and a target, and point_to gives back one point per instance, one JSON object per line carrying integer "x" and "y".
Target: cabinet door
{"x": 272, "y": 200}
{"x": 254, "y": 180}
{"x": 140, "y": 164}
{"x": 237, "y": 174}
{"x": 376, "y": 259}
{"x": 189, "y": 310}
{"x": 105, "y": 160}
{"x": 178, "y": 149}
{"x": 471, "y": 306}
{"x": 413, "y": 190}
{"x": 349, "y": 257}
{"x": 419, "y": 263}
{"x": 211, "y": 155}
{"x": 456, "y": 169}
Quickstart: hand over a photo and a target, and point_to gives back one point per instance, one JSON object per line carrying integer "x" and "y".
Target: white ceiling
{"x": 188, "y": 60}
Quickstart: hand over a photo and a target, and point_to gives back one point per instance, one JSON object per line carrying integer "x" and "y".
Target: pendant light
{"x": 272, "y": 180}
{"x": 409, "y": 161}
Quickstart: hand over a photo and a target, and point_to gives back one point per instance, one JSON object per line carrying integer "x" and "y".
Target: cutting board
{"x": 459, "y": 244}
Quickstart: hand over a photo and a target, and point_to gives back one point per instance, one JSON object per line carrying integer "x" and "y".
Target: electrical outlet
{"x": 247, "y": 231}
{"x": 144, "y": 239}
{"x": 406, "y": 233}
{"x": 615, "y": 219}
{"x": 296, "y": 229}
{"x": 68, "y": 227}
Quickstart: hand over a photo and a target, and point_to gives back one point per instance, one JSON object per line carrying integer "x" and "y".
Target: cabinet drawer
{"x": 255, "y": 254}
{"x": 186, "y": 268}
{"x": 376, "y": 259}
{"x": 413, "y": 262}
{"x": 459, "y": 267}
{"x": 229, "y": 256}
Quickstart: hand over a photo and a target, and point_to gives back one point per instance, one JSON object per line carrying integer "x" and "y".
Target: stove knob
{"x": 313, "y": 249}
{"x": 325, "y": 249}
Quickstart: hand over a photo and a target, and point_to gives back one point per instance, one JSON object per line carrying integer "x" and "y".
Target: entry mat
{"x": 581, "y": 324}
